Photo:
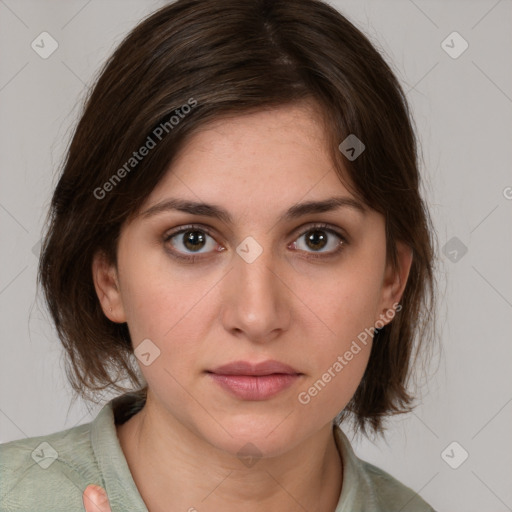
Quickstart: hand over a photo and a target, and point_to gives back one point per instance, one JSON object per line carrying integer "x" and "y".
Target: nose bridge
{"x": 256, "y": 303}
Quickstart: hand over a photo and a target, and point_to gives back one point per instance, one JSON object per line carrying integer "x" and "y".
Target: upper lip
{"x": 246, "y": 368}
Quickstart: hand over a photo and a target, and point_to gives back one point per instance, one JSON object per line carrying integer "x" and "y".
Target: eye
{"x": 190, "y": 238}
{"x": 187, "y": 242}
{"x": 319, "y": 237}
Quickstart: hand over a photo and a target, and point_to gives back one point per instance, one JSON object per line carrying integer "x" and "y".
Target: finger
{"x": 95, "y": 499}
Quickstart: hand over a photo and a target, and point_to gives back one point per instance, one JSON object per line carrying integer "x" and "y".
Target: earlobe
{"x": 107, "y": 288}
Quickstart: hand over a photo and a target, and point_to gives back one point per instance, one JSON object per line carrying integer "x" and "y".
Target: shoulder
{"x": 37, "y": 470}
{"x": 370, "y": 489}
{"x": 390, "y": 492}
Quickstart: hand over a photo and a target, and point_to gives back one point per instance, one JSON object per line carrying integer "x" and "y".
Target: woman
{"x": 238, "y": 230}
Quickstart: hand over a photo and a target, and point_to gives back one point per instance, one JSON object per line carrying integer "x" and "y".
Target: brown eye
{"x": 190, "y": 241}
{"x": 194, "y": 240}
{"x": 317, "y": 238}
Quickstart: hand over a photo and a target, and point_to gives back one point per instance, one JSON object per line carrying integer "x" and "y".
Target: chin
{"x": 254, "y": 435}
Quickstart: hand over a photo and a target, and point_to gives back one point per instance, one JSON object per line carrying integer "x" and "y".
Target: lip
{"x": 259, "y": 381}
{"x": 246, "y": 368}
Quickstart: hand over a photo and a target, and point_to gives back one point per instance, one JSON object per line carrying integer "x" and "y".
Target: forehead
{"x": 258, "y": 160}
{"x": 298, "y": 124}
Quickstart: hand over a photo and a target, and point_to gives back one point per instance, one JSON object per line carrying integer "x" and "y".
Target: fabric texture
{"x": 49, "y": 473}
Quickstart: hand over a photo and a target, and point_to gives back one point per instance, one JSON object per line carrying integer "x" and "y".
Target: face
{"x": 265, "y": 281}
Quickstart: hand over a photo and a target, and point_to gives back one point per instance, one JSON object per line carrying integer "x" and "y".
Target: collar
{"x": 117, "y": 478}
{"x": 121, "y": 488}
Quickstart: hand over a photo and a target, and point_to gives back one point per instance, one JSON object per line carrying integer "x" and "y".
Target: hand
{"x": 95, "y": 499}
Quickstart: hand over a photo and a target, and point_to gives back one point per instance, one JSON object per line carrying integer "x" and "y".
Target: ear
{"x": 394, "y": 282}
{"x": 106, "y": 283}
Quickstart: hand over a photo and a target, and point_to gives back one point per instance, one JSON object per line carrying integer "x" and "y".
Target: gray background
{"x": 462, "y": 108}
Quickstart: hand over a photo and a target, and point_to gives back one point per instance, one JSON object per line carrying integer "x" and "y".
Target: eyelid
{"x": 302, "y": 230}
{"x": 185, "y": 227}
{"x": 297, "y": 231}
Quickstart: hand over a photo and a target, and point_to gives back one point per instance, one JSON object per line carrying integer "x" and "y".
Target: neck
{"x": 175, "y": 470}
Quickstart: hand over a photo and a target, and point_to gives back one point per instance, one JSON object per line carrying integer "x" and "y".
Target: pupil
{"x": 193, "y": 238}
{"x": 315, "y": 237}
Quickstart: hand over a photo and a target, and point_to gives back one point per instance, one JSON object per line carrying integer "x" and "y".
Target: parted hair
{"x": 195, "y": 61}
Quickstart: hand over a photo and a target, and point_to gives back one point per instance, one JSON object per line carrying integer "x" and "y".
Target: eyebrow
{"x": 217, "y": 212}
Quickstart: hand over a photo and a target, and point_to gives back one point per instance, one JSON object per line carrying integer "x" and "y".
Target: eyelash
{"x": 204, "y": 229}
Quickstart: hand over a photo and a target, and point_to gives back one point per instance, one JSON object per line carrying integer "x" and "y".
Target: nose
{"x": 257, "y": 298}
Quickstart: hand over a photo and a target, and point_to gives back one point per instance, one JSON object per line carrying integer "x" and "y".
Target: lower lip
{"x": 252, "y": 387}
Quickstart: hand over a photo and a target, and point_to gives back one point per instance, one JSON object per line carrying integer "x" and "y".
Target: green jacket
{"x": 49, "y": 473}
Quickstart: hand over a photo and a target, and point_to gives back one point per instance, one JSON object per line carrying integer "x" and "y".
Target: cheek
{"x": 331, "y": 389}
{"x": 162, "y": 318}
{"x": 349, "y": 301}
{"x": 164, "y": 306}
{"x": 339, "y": 347}
{"x": 338, "y": 357}
{"x": 150, "y": 306}
{"x": 154, "y": 298}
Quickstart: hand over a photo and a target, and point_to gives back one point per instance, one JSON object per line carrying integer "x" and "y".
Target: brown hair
{"x": 218, "y": 58}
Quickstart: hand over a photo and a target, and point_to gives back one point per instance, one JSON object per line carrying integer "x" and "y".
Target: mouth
{"x": 268, "y": 367}
{"x": 259, "y": 381}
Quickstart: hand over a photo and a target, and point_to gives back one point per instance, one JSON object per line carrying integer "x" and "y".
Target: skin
{"x": 95, "y": 499}
{"x": 182, "y": 446}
